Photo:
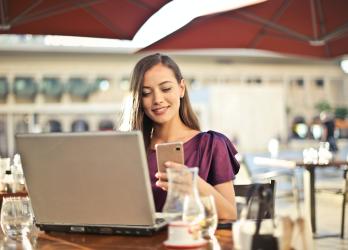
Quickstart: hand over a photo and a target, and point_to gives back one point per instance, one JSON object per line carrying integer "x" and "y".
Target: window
{"x": 78, "y": 87}
{"x": 319, "y": 83}
{"x": 4, "y": 89}
{"x": 52, "y": 87}
{"x": 25, "y": 87}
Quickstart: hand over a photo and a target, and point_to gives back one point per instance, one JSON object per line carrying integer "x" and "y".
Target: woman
{"x": 162, "y": 111}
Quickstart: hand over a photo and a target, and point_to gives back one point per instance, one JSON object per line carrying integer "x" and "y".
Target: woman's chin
{"x": 160, "y": 121}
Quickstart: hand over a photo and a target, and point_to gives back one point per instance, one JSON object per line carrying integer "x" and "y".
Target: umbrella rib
{"x": 103, "y": 20}
{"x": 140, "y": 4}
{"x": 57, "y": 9}
{"x": 321, "y": 19}
{"x": 277, "y": 27}
{"x": 322, "y": 27}
{"x": 314, "y": 20}
{"x": 26, "y": 11}
{"x": 275, "y": 17}
{"x": 36, "y": 15}
{"x": 337, "y": 33}
{"x": 2, "y": 12}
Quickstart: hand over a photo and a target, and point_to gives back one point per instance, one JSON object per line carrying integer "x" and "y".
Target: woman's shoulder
{"x": 213, "y": 140}
{"x": 211, "y": 135}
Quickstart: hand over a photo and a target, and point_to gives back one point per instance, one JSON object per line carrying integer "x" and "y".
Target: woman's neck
{"x": 170, "y": 132}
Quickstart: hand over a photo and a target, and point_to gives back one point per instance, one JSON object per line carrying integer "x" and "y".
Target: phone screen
{"x": 172, "y": 151}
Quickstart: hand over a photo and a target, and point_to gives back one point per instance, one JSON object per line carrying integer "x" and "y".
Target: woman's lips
{"x": 159, "y": 111}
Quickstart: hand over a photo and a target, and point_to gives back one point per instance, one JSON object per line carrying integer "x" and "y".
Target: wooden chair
{"x": 242, "y": 190}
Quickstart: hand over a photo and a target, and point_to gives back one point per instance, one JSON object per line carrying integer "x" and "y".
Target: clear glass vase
{"x": 183, "y": 197}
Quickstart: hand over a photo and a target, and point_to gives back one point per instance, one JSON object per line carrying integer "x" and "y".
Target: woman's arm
{"x": 224, "y": 198}
{"x": 223, "y": 193}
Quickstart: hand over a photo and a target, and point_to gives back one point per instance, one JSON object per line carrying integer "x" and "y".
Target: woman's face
{"x": 161, "y": 94}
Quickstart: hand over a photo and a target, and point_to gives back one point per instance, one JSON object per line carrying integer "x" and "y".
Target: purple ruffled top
{"x": 212, "y": 152}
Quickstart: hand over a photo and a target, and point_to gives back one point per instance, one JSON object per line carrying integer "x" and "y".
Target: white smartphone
{"x": 171, "y": 151}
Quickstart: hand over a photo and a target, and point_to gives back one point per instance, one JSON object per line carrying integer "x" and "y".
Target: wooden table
{"x": 88, "y": 241}
{"x": 5, "y": 194}
{"x": 309, "y": 189}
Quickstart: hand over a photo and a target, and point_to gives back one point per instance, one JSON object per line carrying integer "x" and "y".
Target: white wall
{"x": 252, "y": 113}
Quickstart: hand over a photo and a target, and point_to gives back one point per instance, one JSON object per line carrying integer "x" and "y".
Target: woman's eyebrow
{"x": 160, "y": 84}
{"x": 164, "y": 82}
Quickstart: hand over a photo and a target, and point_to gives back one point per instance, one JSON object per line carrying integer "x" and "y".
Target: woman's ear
{"x": 182, "y": 86}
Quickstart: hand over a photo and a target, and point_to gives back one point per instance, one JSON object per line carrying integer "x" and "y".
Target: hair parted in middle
{"x": 139, "y": 120}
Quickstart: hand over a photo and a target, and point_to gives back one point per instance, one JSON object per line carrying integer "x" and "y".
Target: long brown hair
{"x": 139, "y": 120}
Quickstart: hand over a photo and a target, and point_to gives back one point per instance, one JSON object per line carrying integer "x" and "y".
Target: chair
{"x": 79, "y": 125}
{"x": 53, "y": 126}
{"x": 242, "y": 190}
{"x": 263, "y": 168}
{"x": 345, "y": 192}
{"x": 106, "y": 125}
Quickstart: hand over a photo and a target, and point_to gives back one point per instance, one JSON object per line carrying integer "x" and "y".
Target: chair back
{"x": 243, "y": 190}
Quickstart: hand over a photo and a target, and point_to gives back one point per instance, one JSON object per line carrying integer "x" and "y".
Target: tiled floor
{"x": 328, "y": 219}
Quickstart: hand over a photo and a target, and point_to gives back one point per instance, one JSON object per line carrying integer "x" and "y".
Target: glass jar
{"x": 183, "y": 197}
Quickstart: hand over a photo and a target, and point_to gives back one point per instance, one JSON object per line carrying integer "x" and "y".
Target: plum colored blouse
{"x": 212, "y": 152}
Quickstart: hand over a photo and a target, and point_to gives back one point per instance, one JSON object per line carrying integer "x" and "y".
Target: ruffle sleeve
{"x": 218, "y": 162}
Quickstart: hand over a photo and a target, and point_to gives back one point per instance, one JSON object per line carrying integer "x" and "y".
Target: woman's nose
{"x": 158, "y": 97}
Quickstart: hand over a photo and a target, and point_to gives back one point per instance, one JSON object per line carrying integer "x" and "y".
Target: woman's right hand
{"x": 162, "y": 177}
{"x": 162, "y": 181}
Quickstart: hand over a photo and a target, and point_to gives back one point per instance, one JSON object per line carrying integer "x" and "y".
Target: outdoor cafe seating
{"x": 303, "y": 180}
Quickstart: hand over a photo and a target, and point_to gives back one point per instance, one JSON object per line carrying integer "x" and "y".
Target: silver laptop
{"x": 96, "y": 182}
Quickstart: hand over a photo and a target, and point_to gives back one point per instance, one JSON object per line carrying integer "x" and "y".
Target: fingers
{"x": 171, "y": 164}
{"x": 162, "y": 181}
{"x": 162, "y": 184}
{"x": 162, "y": 176}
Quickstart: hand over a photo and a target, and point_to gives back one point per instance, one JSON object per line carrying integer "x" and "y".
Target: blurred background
{"x": 262, "y": 72}
{"x": 249, "y": 96}
{"x": 257, "y": 70}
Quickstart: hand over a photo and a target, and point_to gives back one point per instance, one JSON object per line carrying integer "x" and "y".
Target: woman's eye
{"x": 166, "y": 89}
{"x": 146, "y": 92}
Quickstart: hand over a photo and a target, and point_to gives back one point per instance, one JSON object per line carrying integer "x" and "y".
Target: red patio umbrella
{"x": 92, "y": 18}
{"x": 316, "y": 28}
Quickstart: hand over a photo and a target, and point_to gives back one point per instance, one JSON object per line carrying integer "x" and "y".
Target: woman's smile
{"x": 160, "y": 110}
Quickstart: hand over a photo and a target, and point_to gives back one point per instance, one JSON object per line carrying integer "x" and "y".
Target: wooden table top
{"x": 89, "y": 241}
{"x": 333, "y": 163}
{"x": 72, "y": 241}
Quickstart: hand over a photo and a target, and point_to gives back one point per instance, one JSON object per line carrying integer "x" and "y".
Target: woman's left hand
{"x": 162, "y": 176}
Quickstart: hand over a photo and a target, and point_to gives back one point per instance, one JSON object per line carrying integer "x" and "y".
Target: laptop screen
{"x": 93, "y": 178}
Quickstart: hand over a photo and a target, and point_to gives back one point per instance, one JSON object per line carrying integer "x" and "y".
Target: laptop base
{"x": 104, "y": 230}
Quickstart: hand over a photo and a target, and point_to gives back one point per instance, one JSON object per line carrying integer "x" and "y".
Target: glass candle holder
{"x": 16, "y": 217}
